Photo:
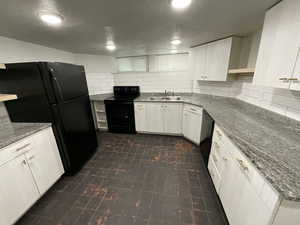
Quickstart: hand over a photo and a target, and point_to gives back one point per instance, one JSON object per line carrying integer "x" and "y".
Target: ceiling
{"x": 139, "y": 26}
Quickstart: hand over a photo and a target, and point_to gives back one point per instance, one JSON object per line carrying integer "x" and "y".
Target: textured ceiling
{"x": 139, "y": 26}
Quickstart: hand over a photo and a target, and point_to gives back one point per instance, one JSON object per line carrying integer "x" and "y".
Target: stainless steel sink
{"x": 165, "y": 98}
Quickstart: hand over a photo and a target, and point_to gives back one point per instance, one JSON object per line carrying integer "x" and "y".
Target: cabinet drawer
{"x": 13, "y": 150}
{"x": 192, "y": 108}
{"x": 215, "y": 176}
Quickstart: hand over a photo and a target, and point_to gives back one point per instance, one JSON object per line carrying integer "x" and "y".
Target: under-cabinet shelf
{"x": 7, "y": 97}
{"x": 242, "y": 71}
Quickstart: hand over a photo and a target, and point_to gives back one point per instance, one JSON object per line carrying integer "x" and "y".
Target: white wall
{"x": 98, "y": 68}
{"x": 157, "y": 81}
{"x": 12, "y": 51}
{"x": 98, "y": 71}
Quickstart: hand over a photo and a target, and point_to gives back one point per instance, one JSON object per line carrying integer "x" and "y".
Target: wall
{"x": 98, "y": 68}
{"x": 157, "y": 81}
{"x": 98, "y": 72}
{"x": 20, "y": 51}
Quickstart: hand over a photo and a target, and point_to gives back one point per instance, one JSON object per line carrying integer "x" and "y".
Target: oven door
{"x": 120, "y": 116}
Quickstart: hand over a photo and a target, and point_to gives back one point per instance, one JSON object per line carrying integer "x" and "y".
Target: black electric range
{"x": 120, "y": 109}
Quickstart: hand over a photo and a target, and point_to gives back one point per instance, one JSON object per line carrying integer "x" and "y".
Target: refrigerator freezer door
{"x": 78, "y": 131}
{"x": 68, "y": 80}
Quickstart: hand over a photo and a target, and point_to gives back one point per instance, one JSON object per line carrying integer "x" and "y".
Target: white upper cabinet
{"x": 212, "y": 61}
{"x": 168, "y": 63}
{"x": 279, "y": 47}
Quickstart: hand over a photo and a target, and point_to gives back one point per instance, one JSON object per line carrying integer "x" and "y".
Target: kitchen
{"x": 150, "y": 112}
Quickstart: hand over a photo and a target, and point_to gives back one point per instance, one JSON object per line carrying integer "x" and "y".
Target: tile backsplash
{"x": 281, "y": 101}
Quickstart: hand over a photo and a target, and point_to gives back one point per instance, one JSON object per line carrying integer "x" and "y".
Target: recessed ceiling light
{"x": 51, "y": 18}
{"x": 176, "y": 42}
{"x": 180, "y": 4}
{"x": 110, "y": 45}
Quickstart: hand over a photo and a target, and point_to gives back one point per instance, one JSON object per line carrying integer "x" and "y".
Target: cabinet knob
{"x": 24, "y": 162}
{"x": 242, "y": 165}
{"x": 283, "y": 78}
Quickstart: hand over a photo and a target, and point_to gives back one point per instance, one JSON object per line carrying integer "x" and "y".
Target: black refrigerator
{"x": 56, "y": 93}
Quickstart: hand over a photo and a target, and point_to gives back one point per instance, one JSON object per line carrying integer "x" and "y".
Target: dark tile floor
{"x": 133, "y": 180}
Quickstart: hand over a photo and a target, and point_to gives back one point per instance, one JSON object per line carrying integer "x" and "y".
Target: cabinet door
{"x": 186, "y": 124}
{"x": 154, "y": 115}
{"x": 140, "y": 117}
{"x": 18, "y": 191}
{"x": 279, "y": 46}
{"x": 172, "y": 118}
{"x": 199, "y": 62}
{"x": 295, "y": 83}
{"x": 217, "y": 60}
{"x": 286, "y": 44}
{"x": 195, "y": 127}
{"x": 44, "y": 160}
{"x": 250, "y": 209}
{"x": 230, "y": 189}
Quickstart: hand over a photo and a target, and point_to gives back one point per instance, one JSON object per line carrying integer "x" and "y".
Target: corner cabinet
{"x": 196, "y": 125}
{"x": 28, "y": 169}
{"x": 278, "y": 63}
{"x": 212, "y": 61}
{"x": 172, "y": 118}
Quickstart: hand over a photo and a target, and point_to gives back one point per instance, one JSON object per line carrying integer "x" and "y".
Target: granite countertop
{"x": 100, "y": 97}
{"x": 12, "y": 132}
{"x": 270, "y": 141}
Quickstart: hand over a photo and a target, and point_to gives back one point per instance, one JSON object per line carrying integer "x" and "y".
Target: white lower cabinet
{"x": 44, "y": 159}
{"x": 196, "y": 125}
{"x": 17, "y": 190}
{"x": 245, "y": 195}
{"x": 192, "y": 122}
{"x": 157, "y": 117}
{"x": 154, "y": 118}
{"x": 172, "y": 117}
{"x": 28, "y": 169}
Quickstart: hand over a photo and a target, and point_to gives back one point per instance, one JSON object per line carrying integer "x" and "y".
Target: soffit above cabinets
{"x": 138, "y": 26}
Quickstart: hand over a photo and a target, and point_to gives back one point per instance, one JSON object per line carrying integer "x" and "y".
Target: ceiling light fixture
{"x": 51, "y": 18}
{"x": 180, "y": 4}
{"x": 174, "y": 51}
{"x": 110, "y": 45}
{"x": 176, "y": 42}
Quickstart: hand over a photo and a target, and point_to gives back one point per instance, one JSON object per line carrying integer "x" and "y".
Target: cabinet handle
{"x": 215, "y": 159}
{"x": 219, "y": 133}
{"x": 20, "y": 148}
{"x": 31, "y": 157}
{"x": 242, "y": 165}
{"x": 293, "y": 79}
{"x": 283, "y": 78}
{"x": 217, "y": 145}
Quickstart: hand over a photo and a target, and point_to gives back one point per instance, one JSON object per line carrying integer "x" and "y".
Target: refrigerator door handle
{"x": 58, "y": 87}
